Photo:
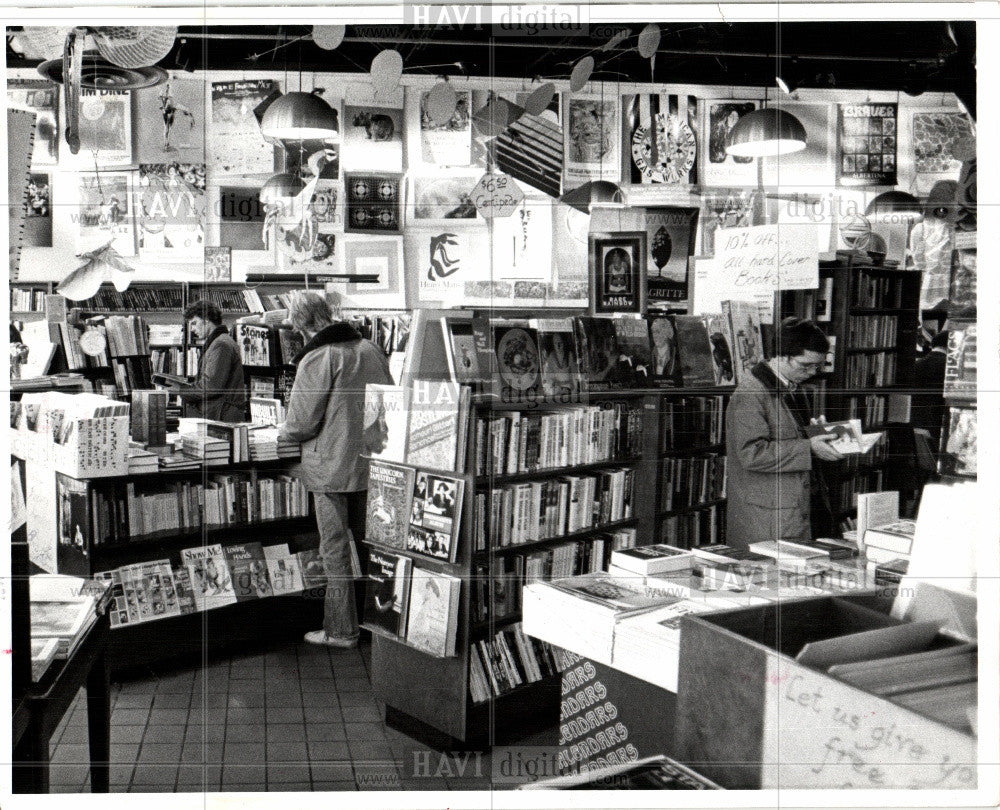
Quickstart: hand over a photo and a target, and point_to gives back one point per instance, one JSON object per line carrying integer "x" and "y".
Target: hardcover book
{"x": 387, "y": 591}
{"x": 466, "y": 362}
{"x": 518, "y": 361}
{"x": 433, "y": 613}
{"x": 248, "y": 568}
{"x": 744, "y": 329}
{"x": 387, "y": 413}
{"x": 283, "y": 569}
{"x": 210, "y": 578}
{"x": 435, "y": 515}
{"x": 632, "y": 335}
{"x": 655, "y": 559}
{"x": 722, "y": 351}
{"x": 433, "y": 429}
{"x": 597, "y": 348}
{"x": 559, "y": 362}
{"x": 694, "y": 350}
{"x": 390, "y": 495}
{"x": 311, "y": 568}
{"x": 663, "y": 347}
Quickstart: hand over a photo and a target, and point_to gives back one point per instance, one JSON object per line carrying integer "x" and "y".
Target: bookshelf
{"x": 959, "y": 434}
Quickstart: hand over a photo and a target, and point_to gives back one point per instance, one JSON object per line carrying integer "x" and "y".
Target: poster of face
{"x": 719, "y": 168}
{"x": 438, "y": 198}
{"x": 173, "y": 116}
{"x": 236, "y": 146}
{"x": 814, "y": 165}
{"x": 38, "y": 216}
{"x": 522, "y": 242}
{"x": 618, "y": 272}
{"x": 170, "y": 209}
{"x": 866, "y": 144}
{"x": 328, "y": 204}
{"x": 592, "y": 141}
{"x": 374, "y": 202}
{"x": 660, "y": 130}
{"x": 41, "y": 98}
{"x": 447, "y": 260}
{"x": 448, "y": 143}
{"x": 373, "y": 138}
{"x": 381, "y": 257}
{"x": 106, "y": 213}
{"x": 935, "y": 136}
{"x": 531, "y": 148}
{"x": 105, "y": 127}
{"x": 325, "y": 256}
{"x": 670, "y": 236}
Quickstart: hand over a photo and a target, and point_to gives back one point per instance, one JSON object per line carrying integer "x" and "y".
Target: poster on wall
{"x": 41, "y": 98}
{"x": 105, "y": 127}
{"x": 170, "y": 211}
{"x": 374, "y": 202}
{"x": 325, "y": 257}
{"x": 380, "y": 257}
{"x": 935, "y": 136}
{"x": 522, "y": 242}
{"x": 372, "y": 136}
{"x": 328, "y": 204}
{"x": 592, "y": 140}
{"x": 442, "y": 197}
{"x": 719, "y": 168}
{"x": 570, "y": 231}
{"x": 618, "y": 272}
{"x": 866, "y": 144}
{"x": 105, "y": 212}
{"x": 670, "y": 238}
{"x": 660, "y": 135}
{"x": 531, "y": 148}
{"x": 813, "y": 166}
{"x": 448, "y": 143}
{"x": 724, "y": 208}
{"x": 241, "y": 217}
{"x": 236, "y": 145}
{"x": 446, "y": 260}
{"x": 38, "y": 214}
{"x": 218, "y": 263}
{"x": 173, "y": 122}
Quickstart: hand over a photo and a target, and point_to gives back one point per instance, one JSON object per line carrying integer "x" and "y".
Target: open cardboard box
{"x": 750, "y": 716}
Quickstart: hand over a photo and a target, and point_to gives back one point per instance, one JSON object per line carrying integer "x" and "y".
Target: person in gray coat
{"x": 326, "y": 416}
{"x": 219, "y": 392}
{"x": 772, "y": 488}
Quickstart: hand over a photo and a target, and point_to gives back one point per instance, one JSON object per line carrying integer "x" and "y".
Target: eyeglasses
{"x": 814, "y": 367}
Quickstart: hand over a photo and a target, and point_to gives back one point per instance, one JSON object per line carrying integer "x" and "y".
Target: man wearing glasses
{"x": 774, "y": 489}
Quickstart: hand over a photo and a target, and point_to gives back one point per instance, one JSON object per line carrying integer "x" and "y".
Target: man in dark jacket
{"x": 928, "y": 408}
{"x": 219, "y": 392}
{"x": 770, "y": 488}
{"x": 326, "y": 411}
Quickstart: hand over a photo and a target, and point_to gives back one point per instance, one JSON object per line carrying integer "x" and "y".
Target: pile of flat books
{"x": 141, "y": 461}
{"x": 267, "y": 445}
{"x": 63, "y": 609}
{"x": 206, "y": 448}
{"x": 652, "y": 773}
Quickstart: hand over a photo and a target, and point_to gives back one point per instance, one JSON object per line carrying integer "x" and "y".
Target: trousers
{"x": 340, "y": 519}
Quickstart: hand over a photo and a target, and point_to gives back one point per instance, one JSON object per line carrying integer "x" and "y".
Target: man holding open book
{"x": 774, "y": 489}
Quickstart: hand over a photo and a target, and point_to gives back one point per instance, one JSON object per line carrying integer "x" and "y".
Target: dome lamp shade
{"x": 300, "y": 117}
{"x": 766, "y": 133}
{"x": 895, "y": 203}
{"x": 591, "y": 193}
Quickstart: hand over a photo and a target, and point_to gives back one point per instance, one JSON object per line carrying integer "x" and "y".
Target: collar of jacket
{"x": 217, "y": 332}
{"x": 341, "y": 332}
{"x": 763, "y": 372}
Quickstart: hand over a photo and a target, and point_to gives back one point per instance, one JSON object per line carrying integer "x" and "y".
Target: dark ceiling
{"x": 877, "y": 55}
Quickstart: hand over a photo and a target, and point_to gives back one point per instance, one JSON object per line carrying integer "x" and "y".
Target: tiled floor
{"x": 297, "y": 718}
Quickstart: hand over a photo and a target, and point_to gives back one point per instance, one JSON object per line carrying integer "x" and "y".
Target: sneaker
{"x": 320, "y": 637}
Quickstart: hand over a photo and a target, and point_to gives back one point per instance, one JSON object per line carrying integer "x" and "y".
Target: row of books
{"x": 538, "y": 510}
{"x": 257, "y": 303}
{"x": 266, "y": 444}
{"x": 960, "y": 371}
{"x": 574, "y": 435}
{"x": 390, "y": 332}
{"x": 507, "y": 660}
{"x": 414, "y": 510}
{"x": 877, "y": 291}
{"x": 688, "y": 481}
{"x": 166, "y": 334}
{"x": 23, "y": 299}
{"x": 863, "y": 481}
{"x": 692, "y": 422}
{"x": 410, "y": 603}
{"x": 700, "y": 526}
{"x": 263, "y": 346}
{"x": 961, "y": 446}
{"x": 872, "y": 330}
{"x": 135, "y": 299}
{"x": 871, "y": 370}
{"x": 230, "y": 301}
{"x": 172, "y": 360}
{"x": 208, "y": 577}
{"x": 148, "y": 424}
{"x": 555, "y": 358}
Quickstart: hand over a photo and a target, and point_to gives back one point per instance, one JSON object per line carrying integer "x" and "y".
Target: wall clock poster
{"x": 660, "y": 134}
{"x": 618, "y": 272}
{"x": 670, "y": 236}
{"x": 719, "y": 168}
{"x": 866, "y": 144}
{"x": 374, "y": 202}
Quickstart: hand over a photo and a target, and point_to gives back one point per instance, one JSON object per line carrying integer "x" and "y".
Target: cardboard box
{"x": 749, "y": 716}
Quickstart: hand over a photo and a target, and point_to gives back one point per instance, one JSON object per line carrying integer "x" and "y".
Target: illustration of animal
{"x": 378, "y": 126}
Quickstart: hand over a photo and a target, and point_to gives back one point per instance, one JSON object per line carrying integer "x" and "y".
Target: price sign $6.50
{"x": 496, "y": 196}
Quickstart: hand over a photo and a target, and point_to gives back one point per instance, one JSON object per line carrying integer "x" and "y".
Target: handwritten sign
{"x": 41, "y": 518}
{"x": 713, "y": 285}
{"x": 820, "y": 733}
{"x": 779, "y": 257}
{"x": 496, "y": 196}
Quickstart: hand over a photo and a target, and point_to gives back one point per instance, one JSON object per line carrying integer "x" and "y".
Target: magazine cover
{"x": 387, "y": 591}
{"x": 435, "y": 515}
{"x": 390, "y": 493}
{"x": 210, "y": 578}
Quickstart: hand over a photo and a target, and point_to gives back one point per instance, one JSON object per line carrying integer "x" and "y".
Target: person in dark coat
{"x": 928, "y": 407}
{"x": 771, "y": 488}
{"x": 219, "y": 392}
{"x": 326, "y": 413}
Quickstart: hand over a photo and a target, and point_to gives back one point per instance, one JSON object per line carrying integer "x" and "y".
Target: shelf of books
{"x": 959, "y": 440}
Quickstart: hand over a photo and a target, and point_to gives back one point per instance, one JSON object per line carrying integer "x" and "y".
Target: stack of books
{"x": 141, "y": 461}
{"x": 63, "y": 609}
{"x": 201, "y": 446}
{"x": 266, "y": 445}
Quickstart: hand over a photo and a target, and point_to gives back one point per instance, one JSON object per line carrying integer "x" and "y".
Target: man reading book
{"x": 775, "y": 491}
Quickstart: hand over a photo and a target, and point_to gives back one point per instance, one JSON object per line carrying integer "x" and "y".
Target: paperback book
{"x": 433, "y": 613}
{"x": 435, "y": 516}
{"x": 387, "y": 591}
{"x": 694, "y": 350}
{"x": 390, "y": 495}
{"x": 849, "y": 439}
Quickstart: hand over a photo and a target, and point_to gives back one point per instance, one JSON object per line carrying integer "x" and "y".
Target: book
{"x": 651, "y": 773}
{"x": 390, "y": 497}
{"x": 597, "y": 348}
{"x": 787, "y": 553}
{"x": 43, "y": 652}
{"x": 606, "y": 594}
{"x": 518, "y": 361}
{"x": 210, "y": 578}
{"x": 433, "y": 612}
{"x": 663, "y": 346}
{"x": 289, "y": 344}
{"x": 432, "y": 437}
{"x": 283, "y": 569}
{"x": 849, "y": 438}
{"x": 462, "y": 351}
{"x": 655, "y": 559}
{"x": 248, "y": 569}
{"x": 559, "y": 362}
{"x": 311, "y": 568}
{"x": 722, "y": 349}
{"x": 960, "y": 371}
{"x": 254, "y": 344}
{"x": 744, "y": 329}
{"x": 961, "y": 447}
{"x": 896, "y": 537}
{"x": 632, "y": 336}
{"x": 387, "y": 413}
{"x": 387, "y": 591}
{"x": 266, "y": 411}
{"x": 435, "y": 515}
{"x": 694, "y": 350}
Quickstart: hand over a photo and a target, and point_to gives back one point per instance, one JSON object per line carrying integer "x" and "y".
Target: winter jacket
{"x": 326, "y": 407}
{"x": 219, "y": 392}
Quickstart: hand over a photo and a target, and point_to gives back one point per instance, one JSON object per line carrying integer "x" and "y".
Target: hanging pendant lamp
{"x": 899, "y": 204}
{"x": 591, "y": 193}
{"x": 300, "y": 117}
{"x": 766, "y": 132}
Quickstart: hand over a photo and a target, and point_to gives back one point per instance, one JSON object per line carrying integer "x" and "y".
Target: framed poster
{"x": 38, "y": 214}
{"x": 442, "y": 197}
{"x": 106, "y": 213}
{"x": 170, "y": 211}
{"x": 325, "y": 256}
{"x": 236, "y": 145}
{"x": 374, "y": 202}
{"x": 618, "y": 272}
{"x": 381, "y": 257}
{"x": 372, "y": 136}
{"x": 592, "y": 140}
{"x": 670, "y": 238}
{"x": 717, "y": 167}
{"x": 105, "y": 128}
{"x": 173, "y": 128}
{"x": 660, "y": 132}
{"x": 42, "y": 98}
{"x": 448, "y": 143}
{"x": 446, "y": 260}
{"x": 867, "y": 144}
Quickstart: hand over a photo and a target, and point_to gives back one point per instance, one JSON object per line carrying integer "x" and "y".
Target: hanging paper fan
{"x": 134, "y": 46}
{"x": 100, "y": 265}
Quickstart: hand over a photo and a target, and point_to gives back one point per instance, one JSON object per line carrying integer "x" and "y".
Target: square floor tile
{"x": 127, "y": 734}
{"x": 329, "y": 751}
{"x": 244, "y": 715}
{"x": 286, "y": 732}
{"x": 325, "y": 732}
{"x": 121, "y": 773}
{"x": 246, "y": 700}
{"x": 164, "y": 734}
{"x": 242, "y": 753}
{"x": 364, "y": 731}
{"x": 245, "y": 733}
{"x": 284, "y": 714}
{"x": 287, "y": 772}
{"x": 172, "y": 700}
{"x": 322, "y": 714}
{"x": 159, "y": 776}
{"x": 358, "y": 714}
{"x": 370, "y": 751}
{"x": 72, "y": 754}
{"x": 335, "y": 787}
{"x": 68, "y": 774}
{"x": 134, "y": 701}
{"x": 208, "y": 730}
{"x": 129, "y": 717}
{"x": 123, "y": 753}
{"x": 324, "y": 697}
{"x": 170, "y": 717}
{"x": 287, "y": 752}
{"x": 160, "y": 753}
{"x": 331, "y": 771}
{"x": 287, "y": 698}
